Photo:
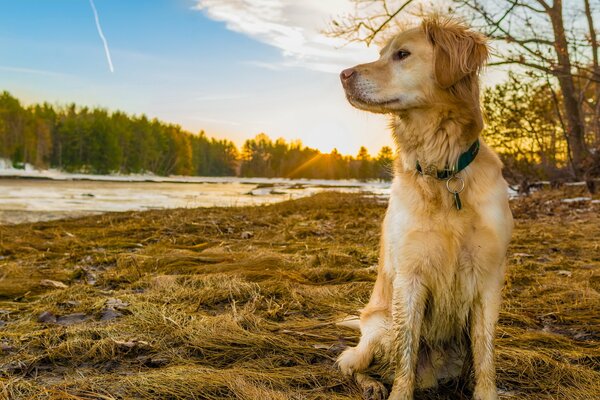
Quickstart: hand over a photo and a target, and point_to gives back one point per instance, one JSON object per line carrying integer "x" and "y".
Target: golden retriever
{"x": 435, "y": 303}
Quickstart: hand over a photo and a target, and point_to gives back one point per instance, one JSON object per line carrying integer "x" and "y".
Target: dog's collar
{"x": 448, "y": 172}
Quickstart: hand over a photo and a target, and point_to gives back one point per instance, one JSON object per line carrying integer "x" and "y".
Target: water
{"x": 30, "y": 200}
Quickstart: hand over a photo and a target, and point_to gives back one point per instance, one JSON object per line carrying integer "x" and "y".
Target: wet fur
{"x": 437, "y": 294}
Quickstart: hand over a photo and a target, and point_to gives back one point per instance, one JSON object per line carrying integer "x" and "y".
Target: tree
{"x": 256, "y": 155}
{"x": 12, "y": 127}
{"x": 383, "y": 163}
{"x": 523, "y": 127}
{"x": 43, "y": 119}
{"x": 537, "y": 35}
{"x": 559, "y": 53}
{"x": 365, "y": 168}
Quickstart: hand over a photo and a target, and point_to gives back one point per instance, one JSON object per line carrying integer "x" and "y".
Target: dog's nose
{"x": 347, "y": 74}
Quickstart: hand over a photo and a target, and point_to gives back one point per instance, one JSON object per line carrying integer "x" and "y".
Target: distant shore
{"x": 57, "y": 175}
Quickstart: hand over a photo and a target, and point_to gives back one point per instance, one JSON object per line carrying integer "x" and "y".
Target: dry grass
{"x": 239, "y": 303}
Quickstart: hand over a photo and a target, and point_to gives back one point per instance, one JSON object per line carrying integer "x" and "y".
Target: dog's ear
{"x": 457, "y": 51}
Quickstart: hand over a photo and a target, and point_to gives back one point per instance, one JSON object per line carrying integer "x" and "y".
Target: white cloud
{"x": 294, "y": 27}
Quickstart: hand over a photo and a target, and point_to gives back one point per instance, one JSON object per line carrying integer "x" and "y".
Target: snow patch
{"x": 576, "y": 200}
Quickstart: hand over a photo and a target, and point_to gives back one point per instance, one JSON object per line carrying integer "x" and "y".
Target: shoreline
{"x": 56, "y": 175}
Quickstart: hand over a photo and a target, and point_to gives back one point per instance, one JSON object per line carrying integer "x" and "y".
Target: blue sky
{"x": 234, "y": 68}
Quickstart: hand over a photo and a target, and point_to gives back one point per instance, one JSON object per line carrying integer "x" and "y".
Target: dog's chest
{"x": 448, "y": 305}
{"x": 440, "y": 252}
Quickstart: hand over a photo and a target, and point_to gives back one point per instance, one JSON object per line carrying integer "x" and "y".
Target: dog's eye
{"x": 401, "y": 55}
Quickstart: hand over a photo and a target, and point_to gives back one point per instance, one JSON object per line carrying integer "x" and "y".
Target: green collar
{"x": 463, "y": 161}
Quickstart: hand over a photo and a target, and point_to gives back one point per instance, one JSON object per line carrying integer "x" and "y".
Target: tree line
{"x": 94, "y": 140}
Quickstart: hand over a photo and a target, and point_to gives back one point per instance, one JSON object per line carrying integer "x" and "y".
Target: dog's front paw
{"x": 352, "y": 360}
{"x": 373, "y": 390}
{"x": 400, "y": 395}
{"x": 482, "y": 393}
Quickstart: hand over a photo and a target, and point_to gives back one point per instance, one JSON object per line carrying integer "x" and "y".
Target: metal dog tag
{"x": 455, "y": 191}
{"x": 457, "y": 201}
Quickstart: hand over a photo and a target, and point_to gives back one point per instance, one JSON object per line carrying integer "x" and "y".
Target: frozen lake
{"x": 29, "y": 200}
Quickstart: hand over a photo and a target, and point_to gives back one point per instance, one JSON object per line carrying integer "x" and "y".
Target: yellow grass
{"x": 240, "y": 303}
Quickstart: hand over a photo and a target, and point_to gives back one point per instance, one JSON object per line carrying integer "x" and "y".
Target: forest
{"x": 81, "y": 139}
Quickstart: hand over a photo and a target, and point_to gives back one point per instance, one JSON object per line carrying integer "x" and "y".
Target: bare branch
{"x": 593, "y": 38}
{"x": 508, "y": 11}
{"x": 351, "y": 27}
{"x": 524, "y": 63}
{"x": 510, "y": 39}
{"x": 388, "y": 20}
{"x": 531, "y": 8}
{"x": 544, "y": 5}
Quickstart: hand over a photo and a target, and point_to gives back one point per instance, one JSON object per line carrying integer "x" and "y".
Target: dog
{"x": 435, "y": 303}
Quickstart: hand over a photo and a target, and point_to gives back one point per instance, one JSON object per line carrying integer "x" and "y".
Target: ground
{"x": 241, "y": 302}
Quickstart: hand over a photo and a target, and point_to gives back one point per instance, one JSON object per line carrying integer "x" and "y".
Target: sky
{"x": 233, "y": 68}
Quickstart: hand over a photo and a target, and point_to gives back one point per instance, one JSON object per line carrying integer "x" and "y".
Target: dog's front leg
{"x": 483, "y": 322}
{"x": 408, "y": 306}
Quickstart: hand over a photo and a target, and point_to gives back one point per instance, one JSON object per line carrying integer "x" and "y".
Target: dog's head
{"x": 436, "y": 62}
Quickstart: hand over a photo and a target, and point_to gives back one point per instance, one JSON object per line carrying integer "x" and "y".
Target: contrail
{"x": 106, "y": 50}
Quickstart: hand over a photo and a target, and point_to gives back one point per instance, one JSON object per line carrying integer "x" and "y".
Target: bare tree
{"x": 551, "y": 36}
{"x": 589, "y": 15}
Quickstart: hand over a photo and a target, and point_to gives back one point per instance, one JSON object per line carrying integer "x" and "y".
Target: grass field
{"x": 241, "y": 303}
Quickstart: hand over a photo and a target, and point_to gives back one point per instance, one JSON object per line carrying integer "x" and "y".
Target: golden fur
{"x": 441, "y": 270}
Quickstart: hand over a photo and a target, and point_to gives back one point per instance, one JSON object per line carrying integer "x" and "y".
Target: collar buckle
{"x": 430, "y": 170}
{"x": 447, "y": 173}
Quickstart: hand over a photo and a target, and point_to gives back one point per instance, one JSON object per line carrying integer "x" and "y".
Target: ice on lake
{"x": 62, "y": 195}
